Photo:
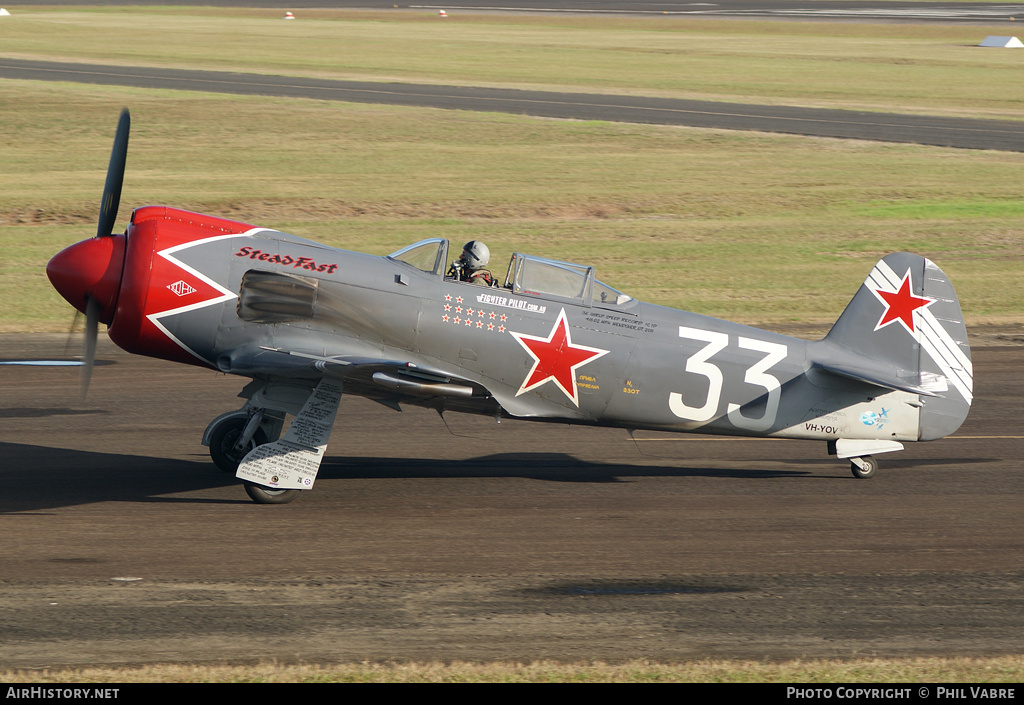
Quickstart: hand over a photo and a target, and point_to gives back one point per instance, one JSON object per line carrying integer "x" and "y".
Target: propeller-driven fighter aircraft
{"x": 305, "y": 323}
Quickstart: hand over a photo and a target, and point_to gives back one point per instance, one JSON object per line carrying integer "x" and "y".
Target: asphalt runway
{"x": 1006, "y": 135}
{"x": 787, "y": 10}
{"x": 460, "y": 538}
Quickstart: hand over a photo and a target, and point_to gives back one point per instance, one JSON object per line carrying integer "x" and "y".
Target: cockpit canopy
{"x": 427, "y": 255}
{"x": 538, "y": 276}
{"x": 527, "y": 275}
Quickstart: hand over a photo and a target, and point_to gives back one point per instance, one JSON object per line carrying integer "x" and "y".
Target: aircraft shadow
{"x": 551, "y": 467}
{"x": 27, "y": 412}
{"x": 34, "y": 478}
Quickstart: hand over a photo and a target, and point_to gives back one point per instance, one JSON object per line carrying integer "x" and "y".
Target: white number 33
{"x": 757, "y": 374}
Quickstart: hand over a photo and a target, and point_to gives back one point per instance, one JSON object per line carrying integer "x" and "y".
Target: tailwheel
{"x": 866, "y": 467}
{"x": 268, "y": 495}
{"x": 224, "y": 438}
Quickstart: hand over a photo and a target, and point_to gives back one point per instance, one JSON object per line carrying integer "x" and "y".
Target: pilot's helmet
{"x": 475, "y": 254}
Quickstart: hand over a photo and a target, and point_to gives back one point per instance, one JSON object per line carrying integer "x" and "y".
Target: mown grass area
{"x": 996, "y": 670}
{"x": 764, "y": 229}
{"x": 888, "y": 67}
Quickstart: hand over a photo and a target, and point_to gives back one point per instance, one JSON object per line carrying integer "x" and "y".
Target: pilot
{"x": 469, "y": 267}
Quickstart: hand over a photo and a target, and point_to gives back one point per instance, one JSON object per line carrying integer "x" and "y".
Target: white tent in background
{"x": 994, "y": 41}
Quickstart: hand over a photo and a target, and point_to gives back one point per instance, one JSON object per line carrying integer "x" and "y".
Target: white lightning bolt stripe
{"x": 951, "y": 353}
{"x": 960, "y": 377}
{"x": 933, "y": 337}
{"x": 226, "y": 295}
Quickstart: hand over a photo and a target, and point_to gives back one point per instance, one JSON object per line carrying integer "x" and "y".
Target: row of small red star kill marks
{"x": 455, "y": 312}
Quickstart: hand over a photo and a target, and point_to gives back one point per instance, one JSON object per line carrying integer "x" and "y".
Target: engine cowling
{"x": 153, "y": 283}
{"x": 133, "y": 277}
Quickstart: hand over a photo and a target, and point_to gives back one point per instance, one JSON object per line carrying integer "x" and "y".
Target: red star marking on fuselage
{"x": 556, "y": 359}
{"x": 900, "y": 305}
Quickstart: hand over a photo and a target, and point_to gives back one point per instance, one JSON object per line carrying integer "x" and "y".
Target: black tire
{"x": 869, "y": 469}
{"x": 223, "y": 439}
{"x": 266, "y": 495}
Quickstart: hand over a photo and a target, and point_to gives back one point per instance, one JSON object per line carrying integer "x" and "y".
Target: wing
{"x": 387, "y": 381}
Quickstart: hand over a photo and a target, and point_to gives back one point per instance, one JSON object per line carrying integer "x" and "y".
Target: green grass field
{"x": 759, "y": 228}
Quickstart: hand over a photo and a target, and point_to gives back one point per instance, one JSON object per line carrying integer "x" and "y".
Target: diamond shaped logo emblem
{"x": 181, "y": 288}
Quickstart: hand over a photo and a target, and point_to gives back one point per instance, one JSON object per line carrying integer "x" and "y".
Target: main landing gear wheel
{"x": 223, "y": 439}
{"x": 267, "y": 495}
{"x": 869, "y": 469}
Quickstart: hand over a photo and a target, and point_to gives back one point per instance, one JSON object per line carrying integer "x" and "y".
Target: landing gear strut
{"x": 228, "y": 447}
{"x": 276, "y": 473}
{"x": 224, "y": 446}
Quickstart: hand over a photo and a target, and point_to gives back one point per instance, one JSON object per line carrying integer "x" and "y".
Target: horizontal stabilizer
{"x": 929, "y": 386}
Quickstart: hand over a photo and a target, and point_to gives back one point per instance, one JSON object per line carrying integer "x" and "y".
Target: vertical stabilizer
{"x": 905, "y": 326}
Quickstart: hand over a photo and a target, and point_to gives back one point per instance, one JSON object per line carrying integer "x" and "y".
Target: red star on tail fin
{"x": 900, "y": 305}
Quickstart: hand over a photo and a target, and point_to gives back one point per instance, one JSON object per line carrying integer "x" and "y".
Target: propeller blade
{"x": 71, "y": 331}
{"x": 92, "y": 325}
{"x": 115, "y": 176}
